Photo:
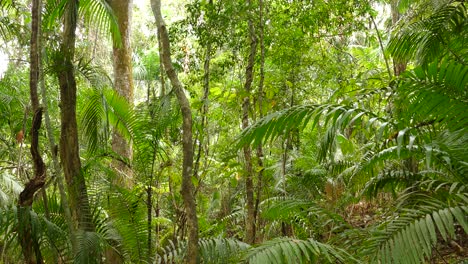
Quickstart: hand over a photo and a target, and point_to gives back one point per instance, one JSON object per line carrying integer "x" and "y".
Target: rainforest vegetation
{"x": 240, "y": 131}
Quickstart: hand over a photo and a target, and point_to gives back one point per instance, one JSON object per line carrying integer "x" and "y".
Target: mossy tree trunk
{"x": 68, "y": 146}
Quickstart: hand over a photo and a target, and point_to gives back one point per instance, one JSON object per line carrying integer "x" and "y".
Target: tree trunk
{"x": 123, "y": 80}
{"x": 398, "y": 66}
{"x": 69, "y": 148}
{"x": 260, "y": 112}
{"x": 249, "y": 186}
{"x": 56, "y": 166}
{"x": 203, "y": 138}
{"x": 187, "y": 189}
{"x": 28, "y": 239}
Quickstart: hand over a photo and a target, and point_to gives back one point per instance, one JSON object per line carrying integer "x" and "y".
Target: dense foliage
{"x": 356, "y": 149}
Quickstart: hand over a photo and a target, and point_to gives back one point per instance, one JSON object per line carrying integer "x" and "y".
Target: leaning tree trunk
{"x": 187, "y": 189}
{"x": 69, "y": 148}
{"x": 28, "y": 239}
{"x": 123, "y": 79}
{"x": 249, "y": 186}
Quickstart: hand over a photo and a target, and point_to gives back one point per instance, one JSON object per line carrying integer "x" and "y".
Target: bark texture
{"x": 187, "y": 189}
{"x": 123, "y": 79}
{"x": 28, "y": 240}
{"x": 249, "y": 186}
{"x": 69, "y": 148}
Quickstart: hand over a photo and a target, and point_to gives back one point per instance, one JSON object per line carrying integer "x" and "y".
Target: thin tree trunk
{"x": 249, "y": 186}
{"x": 69, "y": 148}
{"x": 162, "y": 92}
{"x": 260, "y": 110}
{"x": 123, "y": 81}
{"x": 204, "y": 113}
{"x": 398, "y": 66}
{"x": 149, "y": 207}
{"x": 381, "y": 46}
{"x": 187, "y": 189}
{"x": 28, "y": 239}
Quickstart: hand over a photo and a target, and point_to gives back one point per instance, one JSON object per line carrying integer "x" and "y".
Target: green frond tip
{"x": 290, "y": 251}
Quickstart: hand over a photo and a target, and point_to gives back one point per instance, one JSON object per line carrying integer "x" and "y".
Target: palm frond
{"x": 127, "y": 217}
{"x": 221, "y": 250}
{"x": 306, "y": 216}
{"x": 99, "y": 14}
{"x": 290, "y": 250}
{"x": 96, "y": 13}
{"x": 435, "y": 94}
{"x": 50, "y": 233}
{"x": 9, "y": 27}
{"x": 212, "y": 250}
{"x": 10, "y": 189}
{"x": 298, "y": 117}
{"x": 392, "y": 180}
{"x": 90, "y": 246}
{"x": 53, "y": 12}
{"x": 152, "y": 124}
{"x": 104, "y": 108}
{"x": 429, "y": 39}
{"x": 411, "y": 236}
{"x": 95, "y": 75}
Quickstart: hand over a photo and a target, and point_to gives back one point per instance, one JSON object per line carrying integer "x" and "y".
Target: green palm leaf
{"x": 212, "y": 250}
{"x": 298, "y": 117}
{"x": 99, "y": 14}
{"x": 290, "y": 250}
{"x": 102, "y": 109}
{"x": 96, "y": 13}
{"x": 435, "y": 94}
{"x": 411, "y": 236}
{"x": 431, "y": 38}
